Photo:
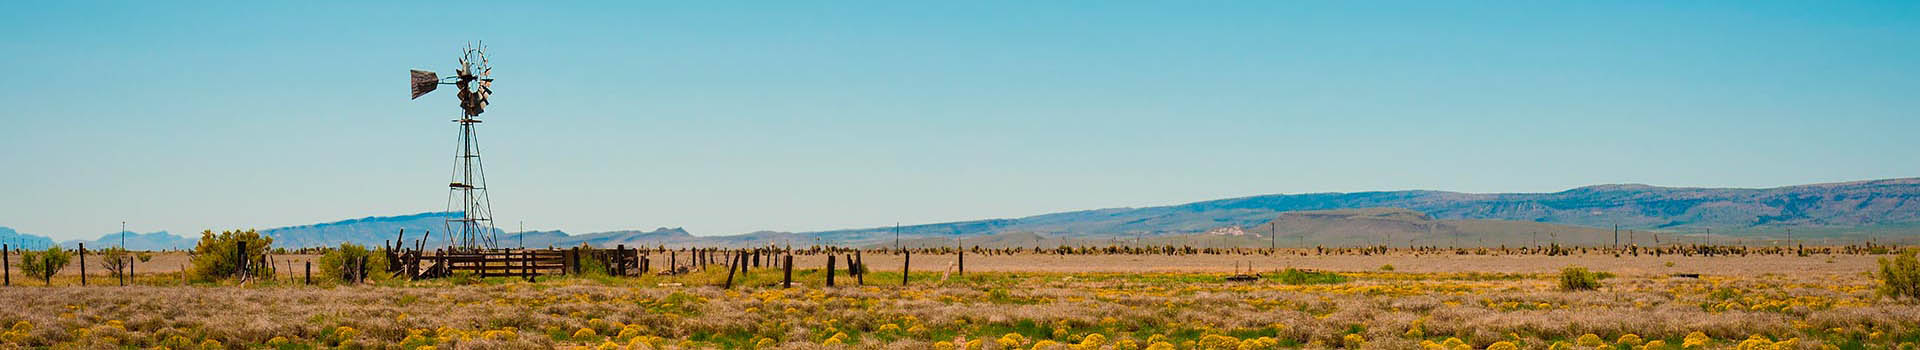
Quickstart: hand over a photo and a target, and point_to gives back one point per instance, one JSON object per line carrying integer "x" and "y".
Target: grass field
{"x": 1017, "y": 302}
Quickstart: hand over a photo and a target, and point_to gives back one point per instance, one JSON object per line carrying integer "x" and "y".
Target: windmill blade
{"x": 424, "y": 82}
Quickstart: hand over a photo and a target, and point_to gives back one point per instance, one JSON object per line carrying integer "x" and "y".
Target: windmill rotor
{"x": 474, "y": 78}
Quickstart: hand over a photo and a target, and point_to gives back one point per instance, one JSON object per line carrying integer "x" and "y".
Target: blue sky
{"x": 732, "y": 117}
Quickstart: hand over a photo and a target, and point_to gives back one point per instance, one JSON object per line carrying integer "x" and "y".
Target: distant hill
{"x": 1411, "y": 228}
{"x": 137, "y": 241}
{"x": 368, "y": 231}
{"x": 17, "y": 240}
{"x": 1851, "y": 208}
{"x": 1343, "y": 227}
{"x": 1879, "y": 208}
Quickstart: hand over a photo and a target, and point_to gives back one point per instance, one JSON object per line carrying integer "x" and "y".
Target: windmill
{"x": 474, "y": 229}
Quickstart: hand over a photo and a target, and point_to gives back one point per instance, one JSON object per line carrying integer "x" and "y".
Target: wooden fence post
{"x": 130, "y": 261}
{"x": 619, "y": 260}
{"x": 963, "y": 262}
{"x": 732, "y": 265}
{"x": 860, "y": 269}
{"x": 83, "y": 264}
{"x": 829, "y": 270}
{"x": 906, "y": 264}
{"x": 673, "y": 261}
{"x": 6, "y": 263}
{"x": 309, "y": 272}
{"x": 787, "y": 282}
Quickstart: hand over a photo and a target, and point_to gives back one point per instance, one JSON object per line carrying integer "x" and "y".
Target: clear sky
{"x": 807, "y": 115}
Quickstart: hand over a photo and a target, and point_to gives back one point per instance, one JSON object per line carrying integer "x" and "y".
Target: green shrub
{"x": 1387, "y": 267}
{"x": 1900, "y": 276}
{"x": 1578, "y": 278}
{"x": 44, "y": 264}
{"x": 1298, "y": 276}
{"x": 345, "y": 264}
{"x": 217, "y": 257}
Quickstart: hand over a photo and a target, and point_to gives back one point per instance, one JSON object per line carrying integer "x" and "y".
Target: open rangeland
{"x": 1018, "y": 301}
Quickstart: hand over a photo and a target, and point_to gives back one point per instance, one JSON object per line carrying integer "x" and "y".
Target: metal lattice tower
{"x": 467, "y": 192}
{"x": 467, "y": 188}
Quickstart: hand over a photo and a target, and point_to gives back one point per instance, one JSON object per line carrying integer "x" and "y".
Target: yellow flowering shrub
{"x": 1353, "y": 341}
{"x": 1755, "y": 342}
{"x": 1219, "y": 342}
{"x": 1589, "y": 340}
{"x": 1629, "y": 339}
{"x": 1503, "y": 345}
{"x": 1695, "y": 340}
{"x": 943, "y": 345}
{"x": 1047, "y": 345}
{"x": 585, "y": 333}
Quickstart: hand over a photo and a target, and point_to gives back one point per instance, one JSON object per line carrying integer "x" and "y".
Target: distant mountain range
{"x": 1586, "y": 215}
{"x": 137, "y": 241}
{"x": 17, "y": 240}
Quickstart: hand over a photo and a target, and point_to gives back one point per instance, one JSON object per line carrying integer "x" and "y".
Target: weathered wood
{"x": 6, "y": 263}
{"x": 787, "y": 282}
{"x": 860, "y": 268}
{"x": 83, "y": 264}
{"x": 906, "y": 263}
{"x": 962, "y": 266}
{"x": 730, "y": 268}
{"x": 309, "y": 272}
{"x": 829, "y": 270}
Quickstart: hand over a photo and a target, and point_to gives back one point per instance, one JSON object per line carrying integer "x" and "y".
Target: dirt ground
{"x": 1625, "y": 265}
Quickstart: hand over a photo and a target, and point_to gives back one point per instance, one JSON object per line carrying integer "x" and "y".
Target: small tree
{"x": 117, "y": 260}
{"x": 1900, "y": 276}
{"x": 217, "y": 257}
{"x": 45, "y": 264}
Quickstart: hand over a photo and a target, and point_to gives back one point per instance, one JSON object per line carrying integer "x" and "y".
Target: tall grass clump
{"x": 1576, "y": 278}
{"x": 1900, "y": 276}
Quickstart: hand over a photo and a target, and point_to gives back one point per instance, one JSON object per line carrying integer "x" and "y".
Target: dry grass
{"x": 1188, "y": 310}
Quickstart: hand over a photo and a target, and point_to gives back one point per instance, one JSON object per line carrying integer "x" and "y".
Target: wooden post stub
{"x": 787, "y": 282}
{"x": 83, "y": 264}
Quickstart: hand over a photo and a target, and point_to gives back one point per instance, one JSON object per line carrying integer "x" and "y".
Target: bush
{"x": 216, "y": 256}
{"x": 345, "y": 264}
{"x": 1900, "y": 276}
{"x": 44, "y": 264}
{"x": 1298, "y": 276}
{"x": 1577, "y": 278}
